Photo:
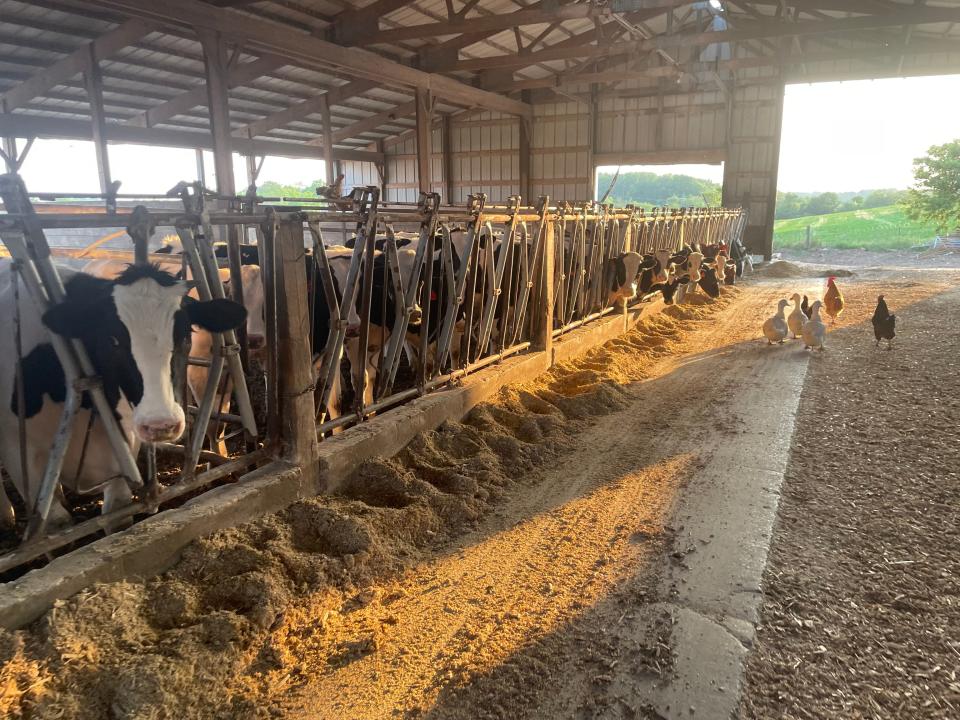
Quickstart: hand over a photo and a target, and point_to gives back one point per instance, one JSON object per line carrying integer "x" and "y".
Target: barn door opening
{"x": 847, "y": 160}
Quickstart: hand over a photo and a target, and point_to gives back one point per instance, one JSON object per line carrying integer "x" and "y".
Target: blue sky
{"x": 836, "y": 136}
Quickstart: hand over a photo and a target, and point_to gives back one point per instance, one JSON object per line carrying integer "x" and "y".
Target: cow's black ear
{"x": 69, "y": 319}
{"x": 621, "y": 273}
{"x": 216, "y": 315}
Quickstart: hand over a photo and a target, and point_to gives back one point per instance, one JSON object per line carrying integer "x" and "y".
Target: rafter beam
{"x": 373, "y": 122}
{"x": 489, "y": 23}
{"x": 350, "y": 25}
{"x": 240, "y": 75}
{"x": 263, "y": 38}
{"x": 302, "y": 109}
{"x": 76, "y": 62}
{"x": 772, "y": 60}
{"x": 760, "y": 30}
{"x": 28, "y": 126}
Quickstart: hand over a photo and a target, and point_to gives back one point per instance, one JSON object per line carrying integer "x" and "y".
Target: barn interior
{"x": 505, "y": 99}
{"x": 293, "y": 555}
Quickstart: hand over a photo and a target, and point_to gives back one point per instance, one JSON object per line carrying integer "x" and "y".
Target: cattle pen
{"x": 324, "y": 405}
{"x": 522, "y": 303}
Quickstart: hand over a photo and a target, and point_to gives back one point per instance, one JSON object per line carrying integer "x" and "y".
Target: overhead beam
{"x": 240, "y": 75}
{"x": 264, "y": 38}
{"x": 779, "y": 60}
{"x": 489, "y": 23}
{"x": 350, "y": 25}
{"x": 76, "y": 62}
{"x": 28, "y": 126}
{"x": 300, "y": 110}
{"x": 373, "y": 122}
{"x": 760, "y": 30}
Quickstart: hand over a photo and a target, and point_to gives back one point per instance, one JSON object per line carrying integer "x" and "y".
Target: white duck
{"x": 814, "y": 330}
{"x": 796, "y": 318}
{"x": 775, "y": 328}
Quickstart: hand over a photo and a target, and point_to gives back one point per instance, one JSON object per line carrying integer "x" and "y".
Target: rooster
{"x": 832, "y": 300}
{"x": 332, "y": 192}
{"x": 805, "y": 307}
{"x": 884, "y": 323}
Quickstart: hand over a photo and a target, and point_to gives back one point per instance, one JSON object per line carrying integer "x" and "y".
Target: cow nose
{"x": 416, "y": 315}
{"x": 353, "y": 331}
{"x": 153, "y": 431}
{"x": 256, "y": 342}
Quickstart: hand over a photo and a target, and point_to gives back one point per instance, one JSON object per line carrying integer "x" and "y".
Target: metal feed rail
{"x": 23, "y": 236}
{"x": 486, "y": 284}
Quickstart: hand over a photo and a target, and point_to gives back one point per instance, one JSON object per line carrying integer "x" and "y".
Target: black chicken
{"x": 805, "y": 307}
{"x": 884, "y": 323}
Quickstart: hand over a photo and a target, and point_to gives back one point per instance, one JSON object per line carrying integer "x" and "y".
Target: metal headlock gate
{"x": 424, "y": 295}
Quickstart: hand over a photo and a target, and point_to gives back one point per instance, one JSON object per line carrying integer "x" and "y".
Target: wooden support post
{"x": 446, "y": 134}
{"x": 327, "y": 139}
{"x": 526, "y": 124}
{"x": 93, "y": 79}
{"x": 295, "y": 369}
{"x": 593, "y": 127}
{"x": 382, "y": 170}
{"x": 201, "y": 170}
{"x": 216, "y": 64}
{"x": 10, "y": 154}
{"x": 424, "y": 132}
{"x": 543, "y": 341}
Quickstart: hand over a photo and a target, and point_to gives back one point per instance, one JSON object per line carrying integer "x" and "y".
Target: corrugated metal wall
{"x": 654, "y": 125}
{"x": 561, "y": 150}
{"x": 485, "y": 156}
{"x": 753, "y": 158}
{"x": 356, "y": 172}
{"x": 401, "y": 168}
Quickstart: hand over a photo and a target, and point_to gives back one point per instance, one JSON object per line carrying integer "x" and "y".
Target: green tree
{"x": 883, "y": 198}
{"x": 824, "y": 204}
{"x": 789, "y": 205}
{"x": 936, "y": 195}
{"x": 857, "y": 201}
{"x": 271, "y": 188}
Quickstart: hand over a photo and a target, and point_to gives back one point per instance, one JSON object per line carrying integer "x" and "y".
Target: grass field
{"x": 884, "y": 228}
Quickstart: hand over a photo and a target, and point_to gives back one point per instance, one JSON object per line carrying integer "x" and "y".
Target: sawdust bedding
{"x": 196, "y": 642}
{"x": 861, "y": 617}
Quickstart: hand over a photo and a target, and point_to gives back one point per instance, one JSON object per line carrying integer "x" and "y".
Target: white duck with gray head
{"x": 814, "y": 330}
{"x": 775, "y": 328}
{"x": 796, "y": 319}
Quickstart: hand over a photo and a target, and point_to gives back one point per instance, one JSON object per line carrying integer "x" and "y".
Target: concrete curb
{"x": 154, "y": 545}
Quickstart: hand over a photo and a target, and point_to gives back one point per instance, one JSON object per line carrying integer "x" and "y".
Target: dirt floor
{"x": 495, "y": 569}
{"x": 861, "y": 617}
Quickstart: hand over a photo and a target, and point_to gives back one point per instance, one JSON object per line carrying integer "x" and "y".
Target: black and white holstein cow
{"x": 201, "y": 341}
{"x": 630, "y": 275}
{"x": 134, "y": 328}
